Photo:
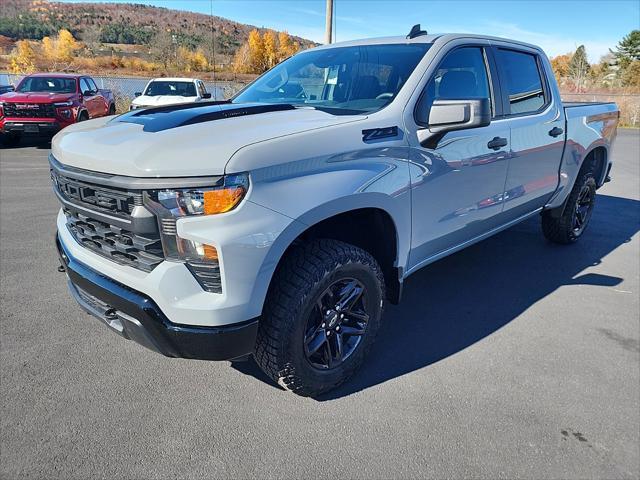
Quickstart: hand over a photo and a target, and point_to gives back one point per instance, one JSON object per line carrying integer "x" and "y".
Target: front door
{"x": 458, "y": 184}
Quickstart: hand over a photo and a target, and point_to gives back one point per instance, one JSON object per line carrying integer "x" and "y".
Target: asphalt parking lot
{"x": 514, "y": 358}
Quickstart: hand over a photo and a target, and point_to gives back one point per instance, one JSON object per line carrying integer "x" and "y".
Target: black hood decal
{"x": 173, "y": 116}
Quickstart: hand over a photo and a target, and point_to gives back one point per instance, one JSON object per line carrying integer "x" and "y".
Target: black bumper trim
{"x": 136, "y": 317}
{"x": 18, "y": 126}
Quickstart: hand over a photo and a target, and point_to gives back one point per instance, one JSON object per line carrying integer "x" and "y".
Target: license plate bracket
{"x": 31, "y": 129}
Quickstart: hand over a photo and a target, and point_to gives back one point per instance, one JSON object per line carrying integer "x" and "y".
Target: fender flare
{"x": 318, "y": 214}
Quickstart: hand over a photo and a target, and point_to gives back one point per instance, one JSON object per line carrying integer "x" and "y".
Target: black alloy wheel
{"x": 337, "y": 324}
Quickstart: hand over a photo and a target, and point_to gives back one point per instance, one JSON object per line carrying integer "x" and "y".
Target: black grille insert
{"x": 29, "y": 110}
{"x": 111, "y": 200}
{"x": 116, "y": 244}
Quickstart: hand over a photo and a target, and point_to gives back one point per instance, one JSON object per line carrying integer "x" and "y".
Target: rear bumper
{"x": 136, "y": 317}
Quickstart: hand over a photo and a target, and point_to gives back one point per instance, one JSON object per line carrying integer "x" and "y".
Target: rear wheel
{"x": 576, "y": 213}
{"x": 82, "y": 117}
{"x": 321, "y": 316}
{"x": 112, "y": 110}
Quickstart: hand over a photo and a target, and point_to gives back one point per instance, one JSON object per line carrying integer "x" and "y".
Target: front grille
{"x": 29, "y": 110}
{"x": 114, "y": 243}
{"x": 110, "y": 200}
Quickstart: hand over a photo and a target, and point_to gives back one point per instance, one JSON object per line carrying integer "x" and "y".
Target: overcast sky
{"x": 557, "y": 26}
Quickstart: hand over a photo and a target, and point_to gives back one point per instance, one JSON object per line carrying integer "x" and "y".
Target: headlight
{"x": 63, "y": 104}
{"x": 205, "y": 201}
{"x": 172, "y": 204}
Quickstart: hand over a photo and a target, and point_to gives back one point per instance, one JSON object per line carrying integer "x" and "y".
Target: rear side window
{"x": 523, "y": 81}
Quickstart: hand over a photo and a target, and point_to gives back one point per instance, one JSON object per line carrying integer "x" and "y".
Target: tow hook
{"x": 61, "y": 268}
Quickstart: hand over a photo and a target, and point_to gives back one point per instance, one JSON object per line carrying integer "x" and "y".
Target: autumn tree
{"x": 60, "y": 50}
{"x": 270, "y": 49}
{"x": 579, "y": 67}
{"x": 23, "y": 58}
{"x": 241, "y": 63}
{"x": 67, "y": 46}
{"x": 256, "y": 52}
{"x": 560, "y": 66}
{"x": 286, "y": 46}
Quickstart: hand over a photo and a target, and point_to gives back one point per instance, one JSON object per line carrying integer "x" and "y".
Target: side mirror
{"x": 88, "y": 93}
{"x": 450, "y": 115}
{"x": 206, "y": 95}
{"x": 137, "y": 94}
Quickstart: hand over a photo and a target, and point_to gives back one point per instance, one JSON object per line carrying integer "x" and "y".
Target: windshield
{"x": 347, "y": 80}
{"x": 166, "y": 87}
{"x": 47, "y": 84}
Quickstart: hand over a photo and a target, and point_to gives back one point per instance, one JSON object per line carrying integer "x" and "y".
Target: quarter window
{"x": 462, "y": 74}
{"x": 523, "y": 81}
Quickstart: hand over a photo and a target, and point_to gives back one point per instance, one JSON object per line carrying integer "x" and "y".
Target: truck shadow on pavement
{"x": 37, "y": 141}
{"x": 460, "y": 300}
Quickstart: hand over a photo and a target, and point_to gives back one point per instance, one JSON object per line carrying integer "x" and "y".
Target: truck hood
{"x": 37, "y": 97}
{"x": 181, "y": 141}
{"x": 157, "y": 100}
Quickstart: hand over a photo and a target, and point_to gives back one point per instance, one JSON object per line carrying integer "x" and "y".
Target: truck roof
{"x": 59, "y": 75}
{"x": 173, "y": 79}
{"x": 429, "y": 38}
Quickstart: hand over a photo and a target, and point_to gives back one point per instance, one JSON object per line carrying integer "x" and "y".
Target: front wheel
{"x": 321, "y": 316}
{"x": 576, "y": 213}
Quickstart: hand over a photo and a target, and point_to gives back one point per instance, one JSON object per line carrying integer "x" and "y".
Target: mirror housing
{"x": 137, "y": 94}
{"x": 206, "y": 95}
{"x": 456, "y": 114}
{"x": 88, "y": 93}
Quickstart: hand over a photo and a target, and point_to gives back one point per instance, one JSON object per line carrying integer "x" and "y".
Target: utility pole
{"x": 328, "y": 33}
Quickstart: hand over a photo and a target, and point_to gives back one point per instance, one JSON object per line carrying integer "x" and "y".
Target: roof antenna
{"x": 416, "y": 32}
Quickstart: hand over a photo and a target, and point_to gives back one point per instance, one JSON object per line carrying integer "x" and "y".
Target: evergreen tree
{"x": 579, "y": 67}
{"x": 628, "y": 49}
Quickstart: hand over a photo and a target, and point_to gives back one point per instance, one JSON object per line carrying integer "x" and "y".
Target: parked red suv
{"x": 46, "y": 103}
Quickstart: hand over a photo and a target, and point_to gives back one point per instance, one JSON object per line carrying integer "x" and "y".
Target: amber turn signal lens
{"x": 222, "y": 200}
{"x": 210, "y": 252}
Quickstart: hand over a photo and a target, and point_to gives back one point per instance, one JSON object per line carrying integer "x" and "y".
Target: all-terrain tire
{"x": 307, "y": 272}
{"x": 561, "y": 228}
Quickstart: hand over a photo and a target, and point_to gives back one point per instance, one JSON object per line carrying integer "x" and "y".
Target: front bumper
{"x": 136, "y": 317}
{"x": 30, "y": 125}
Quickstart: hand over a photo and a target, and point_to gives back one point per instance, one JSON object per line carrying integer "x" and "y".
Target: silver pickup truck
{"x": 277, "y": 224}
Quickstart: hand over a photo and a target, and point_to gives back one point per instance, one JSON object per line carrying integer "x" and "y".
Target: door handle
{"x": 497, "y": 143}
{"x": 556, "y": 131}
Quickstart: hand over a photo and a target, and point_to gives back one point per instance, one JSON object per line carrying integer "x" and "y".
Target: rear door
{"x": 536, "y": 119}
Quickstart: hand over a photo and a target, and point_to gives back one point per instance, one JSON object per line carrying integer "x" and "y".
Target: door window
{"x": 462, "y": 74}
{"x": 84, "y": 85}
{"x": 92, "y": 84}
{"x": 523, "y": 82}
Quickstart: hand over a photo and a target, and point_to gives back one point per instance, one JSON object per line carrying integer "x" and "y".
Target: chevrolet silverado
{"x": 279, "y": 223}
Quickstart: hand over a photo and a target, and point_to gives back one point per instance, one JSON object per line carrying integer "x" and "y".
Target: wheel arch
{"x": 367, "y": 223}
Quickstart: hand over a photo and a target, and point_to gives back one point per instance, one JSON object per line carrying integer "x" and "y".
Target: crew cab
{"x": 170, "y": 91}
{"x": 278, "y": 224}
{"x": 47, "y": 102}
